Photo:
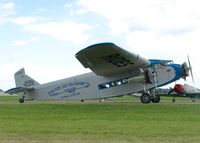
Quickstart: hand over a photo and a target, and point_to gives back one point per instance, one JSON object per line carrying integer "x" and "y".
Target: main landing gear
{"x": 21, "y": 100}
{"x": 147, "y": 98}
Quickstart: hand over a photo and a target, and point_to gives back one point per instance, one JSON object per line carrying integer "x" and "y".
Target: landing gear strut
{"x": 149, "y": 94}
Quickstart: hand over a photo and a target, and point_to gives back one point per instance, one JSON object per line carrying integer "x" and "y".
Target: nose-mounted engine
{"x": 185, "y": 70}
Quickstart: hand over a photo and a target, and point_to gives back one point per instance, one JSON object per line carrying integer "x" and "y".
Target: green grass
{"x": 94, "y": 122}
{"x": 9, "y": 98}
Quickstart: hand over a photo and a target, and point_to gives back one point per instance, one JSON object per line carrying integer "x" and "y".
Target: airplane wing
{"x": 18, "y": 90}
{"x": 108, "y": 59}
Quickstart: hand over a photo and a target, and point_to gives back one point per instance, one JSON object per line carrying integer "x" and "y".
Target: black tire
{"x": 156, "y": 99}
{"x": 21, "y": 100}
{"x": 145, "y": 98}
{"x": 173, "y": 100}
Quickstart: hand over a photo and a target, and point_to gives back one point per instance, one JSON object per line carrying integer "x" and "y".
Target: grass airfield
{"x": 123, "y": 120}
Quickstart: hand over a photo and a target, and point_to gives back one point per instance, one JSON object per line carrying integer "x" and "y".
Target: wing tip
{"x": 103, "y": 44}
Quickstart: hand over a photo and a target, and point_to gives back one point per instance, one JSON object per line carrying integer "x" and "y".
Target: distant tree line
{"x": 162, "y": 90}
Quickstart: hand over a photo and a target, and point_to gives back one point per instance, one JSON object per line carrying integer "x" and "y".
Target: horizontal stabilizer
{"x": 18, "y": 90}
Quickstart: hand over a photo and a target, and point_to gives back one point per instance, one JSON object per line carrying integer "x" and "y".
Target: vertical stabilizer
{"x": 23, "y": 80}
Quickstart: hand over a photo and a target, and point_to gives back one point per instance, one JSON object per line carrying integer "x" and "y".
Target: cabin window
{"x": 112, "y": 84}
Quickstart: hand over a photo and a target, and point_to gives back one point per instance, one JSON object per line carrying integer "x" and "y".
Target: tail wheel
{"x": 156, "y": 99}
{"x": 145, "y": 98}
{"x": 21, "y": 100}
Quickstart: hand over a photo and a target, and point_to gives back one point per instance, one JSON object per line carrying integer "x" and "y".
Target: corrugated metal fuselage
{"x": 92, "y": 86}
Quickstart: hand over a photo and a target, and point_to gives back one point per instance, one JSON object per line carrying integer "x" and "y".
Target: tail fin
{"x": 23, "y": 80}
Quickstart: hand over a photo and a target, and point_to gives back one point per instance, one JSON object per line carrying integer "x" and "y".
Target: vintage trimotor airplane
{"x": 184, "y": 90}
{"x": 116, "y": 72}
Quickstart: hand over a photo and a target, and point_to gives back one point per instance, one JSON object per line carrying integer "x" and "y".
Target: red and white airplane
{"x": 185, "y": 90}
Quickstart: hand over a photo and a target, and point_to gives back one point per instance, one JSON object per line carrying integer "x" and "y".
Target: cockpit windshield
{"x": 162, "y": 62}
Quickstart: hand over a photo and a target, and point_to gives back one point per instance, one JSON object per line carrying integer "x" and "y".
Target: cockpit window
{"x": 162, "y": 62}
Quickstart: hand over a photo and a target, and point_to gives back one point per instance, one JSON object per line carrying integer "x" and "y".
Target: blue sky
{"x": 43, "y": 36}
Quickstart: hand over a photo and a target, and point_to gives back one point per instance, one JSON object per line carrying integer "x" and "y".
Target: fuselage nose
{"x": 178, "y": 71}
{"x": 185, "y": 70}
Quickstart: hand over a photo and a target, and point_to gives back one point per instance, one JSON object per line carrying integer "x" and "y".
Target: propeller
{"x": 190, "y": 68}
{"x": 187, "y": 69}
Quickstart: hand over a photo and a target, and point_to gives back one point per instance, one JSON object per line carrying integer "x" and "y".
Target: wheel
{"x": 145, "y": 98}
{"x": 156, "y": 99}
{"x": 21, "y": 100}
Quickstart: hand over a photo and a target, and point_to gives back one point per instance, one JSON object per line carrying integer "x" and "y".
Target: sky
{"x": 43, "y": 36}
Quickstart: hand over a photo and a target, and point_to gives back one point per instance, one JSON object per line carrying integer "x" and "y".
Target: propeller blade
{"x": 190, "y": 68}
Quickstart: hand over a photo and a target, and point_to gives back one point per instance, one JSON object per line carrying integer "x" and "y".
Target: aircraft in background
{"x": 1, "y": 92}
{"x": 115, "y": 72}
{"x": 184, "y": 91}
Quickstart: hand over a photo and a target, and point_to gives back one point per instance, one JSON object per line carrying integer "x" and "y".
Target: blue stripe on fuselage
{"x": 178, "y": 70}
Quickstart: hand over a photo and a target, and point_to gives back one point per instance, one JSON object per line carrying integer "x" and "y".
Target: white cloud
{"x": 20, "y": 43}
{"x": 65, "y": 31}
{"x": 7, "y": 6}
{"x": 121, "y": 14}
{"x": 70, "y": 31}
{"x": 128, "y": 15}
{"x": 6, "y": 9}
{"x": 28, "y": 20}
{"x": 74, "y": 9}
{"x": 153, "y": 24}
{"x": 25, "y": 42}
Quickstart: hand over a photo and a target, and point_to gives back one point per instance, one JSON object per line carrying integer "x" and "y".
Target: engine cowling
{"x": 179, "y": 88}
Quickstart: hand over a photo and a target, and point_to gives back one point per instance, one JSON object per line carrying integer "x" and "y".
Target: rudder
{"x": 23, "y": 80}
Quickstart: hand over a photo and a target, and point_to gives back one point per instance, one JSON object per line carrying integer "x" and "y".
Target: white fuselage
{"x": 92, "y": 86}
{"x": 190, "y": 89}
